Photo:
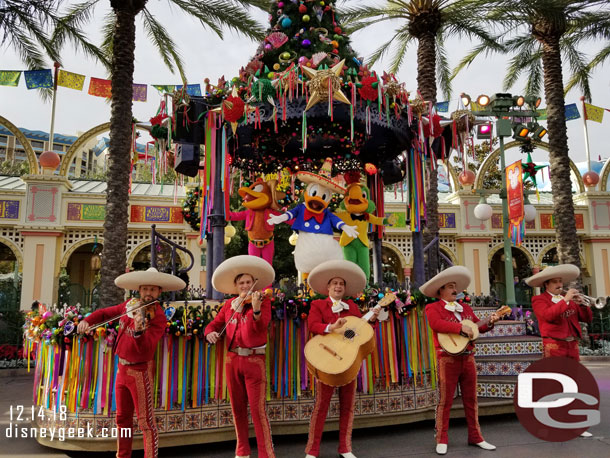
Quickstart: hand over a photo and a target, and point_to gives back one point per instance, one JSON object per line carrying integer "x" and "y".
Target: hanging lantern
{"x": 96, "y": 262}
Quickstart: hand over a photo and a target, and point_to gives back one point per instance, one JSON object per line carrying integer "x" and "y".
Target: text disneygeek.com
{"x": 20, "y": 426}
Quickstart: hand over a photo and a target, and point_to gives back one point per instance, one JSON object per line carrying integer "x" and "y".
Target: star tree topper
{"x": 530, "y": 170}
{"x": 323, "y": 82}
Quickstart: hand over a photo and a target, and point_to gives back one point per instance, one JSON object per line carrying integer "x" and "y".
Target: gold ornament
{"x": 319, "y": 82}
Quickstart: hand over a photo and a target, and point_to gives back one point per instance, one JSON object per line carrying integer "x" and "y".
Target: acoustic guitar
{"x": 454, "y": 344}
{"x": 335, "y": 358}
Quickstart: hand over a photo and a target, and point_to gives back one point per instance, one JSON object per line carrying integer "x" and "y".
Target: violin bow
{"x": 132, "y": 309}
{"x": 238, "y": 307}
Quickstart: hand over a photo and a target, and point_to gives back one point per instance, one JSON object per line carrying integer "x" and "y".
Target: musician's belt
{"x": 567, "y": 339}
{"x": 248, "y": 351}
{"x": 466, "y": 353}
{"x": 124, "y": 362}
{"x": 261, "y": 243}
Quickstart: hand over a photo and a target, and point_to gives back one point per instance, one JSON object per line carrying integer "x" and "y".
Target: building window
{"x": 3, "y": 139}
{"x": 37, "y": 144}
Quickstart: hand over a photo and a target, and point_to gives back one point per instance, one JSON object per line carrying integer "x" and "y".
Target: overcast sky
{"x": 206, "y": 55}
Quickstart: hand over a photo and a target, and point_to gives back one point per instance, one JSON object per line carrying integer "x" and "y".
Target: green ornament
{"x": 285, "y": 55}
{"x": 306, "y": 18}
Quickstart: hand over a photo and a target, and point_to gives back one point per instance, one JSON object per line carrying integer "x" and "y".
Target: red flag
{"x": 100, "y": 87}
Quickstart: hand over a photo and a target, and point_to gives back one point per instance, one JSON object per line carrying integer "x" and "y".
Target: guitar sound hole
{"x": 349, "y": 334}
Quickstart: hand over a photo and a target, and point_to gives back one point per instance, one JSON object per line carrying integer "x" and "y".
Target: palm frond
{"x": 165, "y": 45}
{"x": 403, "y": 39}
{"x": 443, "y": 74}
{"x": 216, "y": 14}
{"x": 580, "y": 70}
{"x": 480, "y": 49}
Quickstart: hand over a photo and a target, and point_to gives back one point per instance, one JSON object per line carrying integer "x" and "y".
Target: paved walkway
{"x": 416, "y": 440}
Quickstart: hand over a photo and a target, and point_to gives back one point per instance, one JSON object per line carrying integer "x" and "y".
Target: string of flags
{"x": 99, "y": 87}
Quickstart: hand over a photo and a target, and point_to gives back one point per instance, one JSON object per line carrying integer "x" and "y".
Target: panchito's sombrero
{"x": 324, "y": 177}
{"x": 223, "y": 279}
{"x": 458, "y": 274}
{"x": 133, "y": 280}
{"x": 354, "y": 277}
{"x": 567, "y": 273}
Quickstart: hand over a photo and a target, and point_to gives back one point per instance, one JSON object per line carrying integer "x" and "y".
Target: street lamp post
{"x": 502, "y": 108}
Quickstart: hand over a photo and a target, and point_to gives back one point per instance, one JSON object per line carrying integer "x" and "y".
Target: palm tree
{"x": 430, "y": 23}
{"x": 119, "y": 43}
{"x": 542, "y": 35}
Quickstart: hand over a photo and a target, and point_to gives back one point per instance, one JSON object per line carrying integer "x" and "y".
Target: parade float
{"x": 304, "y": 97}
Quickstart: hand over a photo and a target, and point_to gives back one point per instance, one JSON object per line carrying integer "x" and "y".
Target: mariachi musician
{"x": 335, "y": 279}
{"x": 140, "y": 329}
{"x": 559, "y": 315}
{"x": 444, "y": 316}
{"x": 245, "y": 319}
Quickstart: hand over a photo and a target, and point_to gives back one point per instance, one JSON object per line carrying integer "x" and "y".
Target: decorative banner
{"x": 100, "y": 87}
{"x": 442, "y": 107}
{"x": 191, "y": 89}
{"x": 9, "y": 209}
{"x": 35, "y": 79}
{"x": 446, "y": 220}
{"x": 71, "y": 80}
{"x": 572, "y": 112}
{"x": 547, "y": 221}
{"x": 514, "y": 188}
{"x": 145, "y": 214}
{"x": 86, "y": 212}
{"x": 593, "y": 113}
{"x": 396, "y": 219}
{"x": 9, "y": 78}
{"x": 139, "y": 92}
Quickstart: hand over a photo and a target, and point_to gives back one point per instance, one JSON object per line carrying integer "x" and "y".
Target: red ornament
{"x": 338, "y": 30}
{"x": 370, "y": 168}
{"x": 233, "y": 108}
{"x": 302, "y": 9}
{"x": 303, "y": 316}
{"x": 367, "y": 91}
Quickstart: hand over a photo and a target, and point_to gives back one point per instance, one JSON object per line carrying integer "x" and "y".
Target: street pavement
{"x": 416, "y": 440}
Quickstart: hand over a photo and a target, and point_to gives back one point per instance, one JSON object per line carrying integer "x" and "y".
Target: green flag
{"x": 9, "y": 78}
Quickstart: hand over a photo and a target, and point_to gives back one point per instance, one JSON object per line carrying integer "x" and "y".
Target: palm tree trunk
{"x": 563, "y": 206}
{"x": 426, "y": 82}
{"x": 119, "y": 158}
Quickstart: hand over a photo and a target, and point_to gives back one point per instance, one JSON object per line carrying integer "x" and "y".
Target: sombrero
{"x": 133, "y": 280}
{"x": 458, "y": 274}
{"x": 567, "y": 272}
{"x": 324, "y": 177}
{"x": 354, "y": 277}
{"x": 223, "y": 279}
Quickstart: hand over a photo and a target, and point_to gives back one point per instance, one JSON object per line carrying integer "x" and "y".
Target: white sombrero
{"x": 567, "y": 273}
{"x": 133, "y": 280}
{"x": 458, "y": 274}
{"x": 354, "y": 277}
{"x": 223, "y": 279}
{"x": 324, "y": 177}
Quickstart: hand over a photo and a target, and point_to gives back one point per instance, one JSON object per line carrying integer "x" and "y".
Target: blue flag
{"x": 442, "y": 107}
{"x": 36, "y": 79}
{"x": 191, "y": 89}
{"x": 572, "y": 112}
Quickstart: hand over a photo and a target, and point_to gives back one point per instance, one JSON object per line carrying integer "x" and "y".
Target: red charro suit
{"x": 134, "y": 381}
{"x": 454, "y": 369}
{"x": 559, "y": 324}
{"x": 320, "y": 316}
{"x": 246, "y": 375}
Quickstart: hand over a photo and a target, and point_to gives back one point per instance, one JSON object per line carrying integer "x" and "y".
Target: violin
{"x": 146, "y": 310}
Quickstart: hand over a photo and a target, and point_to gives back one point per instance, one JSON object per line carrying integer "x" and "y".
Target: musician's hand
{"x": 139, "y": 322}
{"x": 376, "y": 313}
{"x": 493, "y": 318}
{"x": 337, "y": 324}
{"x": 212, "y": 337}
{"x": 571, "y": 294}
{"x": 83, "y": 327}
{"x": 467, "y": 330}
{"x": 256, "y": 301}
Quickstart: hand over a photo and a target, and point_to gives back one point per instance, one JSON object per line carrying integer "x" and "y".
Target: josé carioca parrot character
{"x": 356, "y": 210}
{"x": 314, "y": 222}
{"x": 261, "y": 201}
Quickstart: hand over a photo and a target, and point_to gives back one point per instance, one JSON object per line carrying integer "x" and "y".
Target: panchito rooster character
{"x": 356, "y": 210}
{"x": 314, "y": 222}
{"x": 261, "y": 201}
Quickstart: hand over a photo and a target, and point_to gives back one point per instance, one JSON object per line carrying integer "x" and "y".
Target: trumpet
{"x": 598, "y": 302}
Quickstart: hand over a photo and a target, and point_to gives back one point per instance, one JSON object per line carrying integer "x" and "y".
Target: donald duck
{"x": 315, "y": 222}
